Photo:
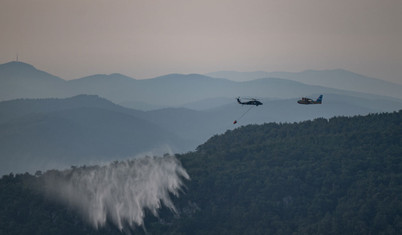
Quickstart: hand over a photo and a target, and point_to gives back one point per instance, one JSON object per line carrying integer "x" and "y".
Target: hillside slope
{"x": 336, "y": 176}
{"x": 328, "y": 176}
{"x": 52, "y": 133}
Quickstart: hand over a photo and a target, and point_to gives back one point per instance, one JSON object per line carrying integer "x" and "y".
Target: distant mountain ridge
{"x": 88, "y": 128}
{"x": 82, "y": 120}
{"x": 21, "y": 69}
{"x": 43, "y": 134}
{"x": 335, "y": 78}
{"x": 13, "y": 109}
{"x": 20, "y": 80}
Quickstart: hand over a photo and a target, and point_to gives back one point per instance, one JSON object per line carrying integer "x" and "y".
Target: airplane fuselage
{"x": 305, "y": 100}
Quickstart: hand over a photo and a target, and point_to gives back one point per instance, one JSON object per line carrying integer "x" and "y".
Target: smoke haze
{"x": 120, "y": 192}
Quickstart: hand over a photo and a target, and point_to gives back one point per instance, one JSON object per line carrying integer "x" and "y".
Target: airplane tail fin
{"x": 319, "y": 100}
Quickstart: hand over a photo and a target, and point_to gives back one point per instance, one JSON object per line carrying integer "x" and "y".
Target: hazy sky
{"x": 147, "y": 38}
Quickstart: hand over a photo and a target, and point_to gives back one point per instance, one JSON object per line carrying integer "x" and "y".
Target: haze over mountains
{"x": 336, "y": 78}
{"x": 53, "y": 133}
{"x": 21, "y": 80}
{"x": 47, "y": 122}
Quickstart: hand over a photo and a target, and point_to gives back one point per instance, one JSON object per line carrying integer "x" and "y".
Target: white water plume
{"x": 120, "y": 192}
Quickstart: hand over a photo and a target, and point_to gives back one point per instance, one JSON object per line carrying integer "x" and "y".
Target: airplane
{"x": 251, "y": 102}
{"x": 305, "y": 100}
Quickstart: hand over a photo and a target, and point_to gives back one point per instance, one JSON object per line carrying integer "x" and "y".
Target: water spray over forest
{"x": 119, "y": 192}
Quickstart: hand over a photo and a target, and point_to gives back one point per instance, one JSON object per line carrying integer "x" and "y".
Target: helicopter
{"x": 252, "y": 101}
{"x": 306, "y": 100}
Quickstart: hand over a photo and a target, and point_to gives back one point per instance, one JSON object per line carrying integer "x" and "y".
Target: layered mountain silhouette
{"x": 46, "y": 122}
{"x": 335, "y": 78}
{"x": 40, "y": 134}
{"x": 53, "y": 133}
{"x": 21, "y": 80}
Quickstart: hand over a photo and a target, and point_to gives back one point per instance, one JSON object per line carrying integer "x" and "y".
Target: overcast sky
{"x": 148, "y": 38}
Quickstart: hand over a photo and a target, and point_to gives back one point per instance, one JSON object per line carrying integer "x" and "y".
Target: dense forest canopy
{"x": 341, "y": 175}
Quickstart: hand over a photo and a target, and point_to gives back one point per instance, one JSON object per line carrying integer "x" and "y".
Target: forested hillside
{"x": 328, "y": 176}
{"x": 336, "y": 176}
